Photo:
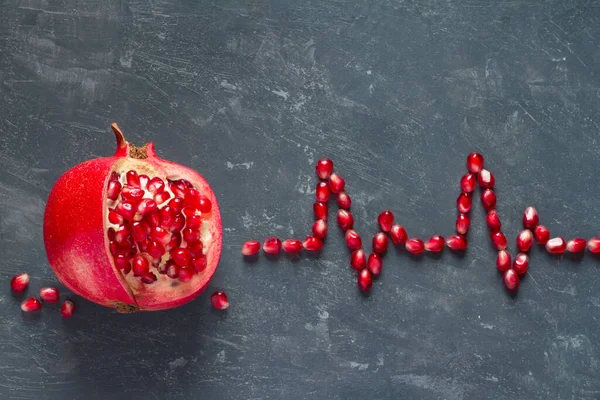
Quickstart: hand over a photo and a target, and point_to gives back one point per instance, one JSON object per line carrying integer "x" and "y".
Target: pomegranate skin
{"x": 77, "y": 245}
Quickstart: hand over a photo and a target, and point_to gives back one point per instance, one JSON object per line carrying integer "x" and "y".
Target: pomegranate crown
{"x": 124, "y": 148}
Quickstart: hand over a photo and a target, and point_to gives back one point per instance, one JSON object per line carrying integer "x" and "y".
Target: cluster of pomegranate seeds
{"x": 19, "y": 283}
{"x": 156, "y": 227}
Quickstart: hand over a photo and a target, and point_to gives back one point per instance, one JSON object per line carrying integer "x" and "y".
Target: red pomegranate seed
{"x": 140, "y": 265}
{"x": 219, "y": 300}
{"x": 133, "y": 179}
{"x": 178, "y": 223}
{"x": 344, "y": 201}
{"x": 324, "y": 168}
{"x": 576, "y": 245}
{"x": 503, "y": 261}
{"x": 152, "y": 218}
{"x": 132, "y": 195}
{"x": 272, "y": 245}
{"x": 181, "y": 256}
{"x": 67, "y": 308}
{"x": 176, "y": 204}
{"x": 115, "y": 218}
{"x": 31, "y": 304}
{"x": 488, "y": 199}
{"x": 319, "y": 229}
{"x": 122, "y": 234}
{"x": 111, "y": 233}
{"x": 463, "y": 222}
{"x": 398, "y": 234}
{"x": 380, "y": 242}
{"x": 49, "y": 294}
{"x": 468, "y": 183}
{"x": 188, "y": 212}
{"x": 191, "y": 235}
{"x": 457, "y": 242}
{"x": 115, "y": 176}
{"x": 19, "y": 282}
{"x": 156, "y": 185}
{"x": 172, "y": 269}
{"x": 140, "y": 231}
{"x": 185, "y": 274}
{"x": 493, "y": 221}
{"x": 178, "y": 190}
{"x": 251, "y": 247}
{"x": 345, "y": 220}
{"x": 374, "y": 263}
{"x": 322, "y": 192}
{"x": 175, "y": 242}
{"x": 161, "y": 197}
{"x": 414, "y": 246}
{"x": 353, "y": 240}
{"x": 148, "y": 278}
{"x": 194, "y": 221}
{"x": 127, "y": 210}
{"x": 292, "y": 246}
{"x": 156, "y": 250}
{"x": 498, "y": 240}
{"x": 159, "y": 235}
{"x": 336, "y": 183}
{"x": 196, "y": 249}
{"x": 320, "y": 210}
{"x": 530, "y": 218}
{"x": 311, "y": 243}
{"x": 205, "y": 205}
{"x": 521, "y": 263}
{"x": 167, "y": 216}
{"x": 144, "y": 179}
{"x": 122, "y": 262}
{"x": 358, "y": 260}
{"x": 556, "y": 245}
{"x": 542, "y": 234}
{"x": 365, "y": 280}
{"x": 464, "y": 203}
{"x": 199, "y": 263}
{"x": 114, "y": 189}
{"x": 511, "y": 279}
{"x": 525, "y": 240}
{"x": 474, "y": 162}
{"x": 435, "y": 244}
{"x": 385, "y": 220}
{"x": 146, "y": 206}
{"x": 593, "y": 245}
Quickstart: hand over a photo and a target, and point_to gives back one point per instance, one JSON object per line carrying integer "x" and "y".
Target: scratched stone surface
{"x": 251, "y": 94}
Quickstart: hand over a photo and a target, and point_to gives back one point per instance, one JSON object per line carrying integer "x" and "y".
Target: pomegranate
{"x": 113, "y": 225}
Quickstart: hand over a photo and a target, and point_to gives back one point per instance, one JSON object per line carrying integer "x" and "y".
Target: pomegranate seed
{"x": 576, "y": 245}
{"x": 556, "y": 245}
{"x": 205, "y": 205}
{"x": 133, "y": 196}
{"x": 344, "y": 201}
{"x": 161, "y": 268}
{"x": 365, "y": 280}
{"x": 178, "y": 190}
{"x": 176, "y": 204}
{"x": 380, "y": 242}
{"x": 457, "y": 242}
{"x": 468, "y": 183}
{"x": 111, "y": 233}
{"x": 133, "y": 179}
{"x": 152, "y": 218}
{"x": 435, "y": 244}
{"x": 219, "y": 300}
{"x": 464, "y": 203}
{"x": 474, "y": 162}
{"x": 196, "y": 249}
{"x": 19, "y": 282}
{"x": 358, "y": 260}
{"x": 353, "y": 239}
{"x": 251, "y": 247}
{"x": 324, "y": 168}
{"x": 498, "y": 240}
{"x": 525, "y": 240}
{"x": 31, "y": 304}
{"x": 114, "y": 247}
{"x": 336, "y": 183}
{"x": 414, "y": 246}
{"x": 140, "y": 231}
{"x": 503, "y": 261}
{"x": 463, "y": 222}
{"x": 115, "y": 218}
{"x": 49, "y": 294}
{"x": 542, "y": 234}
{"x": 167, "y": 216}
{"x": 172, "y": 269}
{"x": 67, "y": 308}
{"x": 345, "y": 220}
{"x": 146, "y": 206}
{"x": 178, "y": 223}
{"x": 320, "y": 210}
{"x": 114, "y": 189}
{"x": 160, "y": 235}
{"x": 272, "y": 245}
{"x": 175, "y": 242}
{"x": 122, "y": 234}
{"x": 191, "y": 235}
{"x": 181, "y": 256}
{"x": 322, "y": 192}
{"x": 385, "y": 220}
{"x": 185, "y": 274}
{"x": 148, "y": 278}
{"x": 156, "y": 185}
{"x": 398, "y": 234}
{"x": 140, "y": 265}
{"x": 593, "y": 245}
{"x": 511, "y": 279}
{"x": 195, "y": 221}
{"x": 199, "y": 263}
{"x": 521, "y": 263}
{"x": 122, "y": 262}
{"x": 161, "y": 197}
{"x": 486, "y": 179}
{"x": 156, "y": 250}
{"x": 292, "y": 246}
{"x": 493, "y": 221}
{"x": 319, "y": 229}
{"x": 144, "y": 179}
{"x": 530, "y": 218}
{"x": 115, "y": 176}
{"x": 488, "y": 199}
{"x": 126, "y": 209}
{"x": 312, "y": 243}
{"x": 192, "y": 198}
{"x": 188, "y": 212}
{"x": 374, "y": 263}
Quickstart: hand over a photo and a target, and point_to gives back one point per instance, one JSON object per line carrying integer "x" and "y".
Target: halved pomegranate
{"x": 133, "y": 231}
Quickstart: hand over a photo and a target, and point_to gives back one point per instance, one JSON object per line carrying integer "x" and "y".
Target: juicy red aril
{"x": 156, "y": 250}
{"x": 144, "y": 179}
{"x": 474, "y": 162}
{"x": 172, "y": 269}
{"x": 435, "y": 244}
{"x": 185, "y": 274}
{"x": 498, "y": 240}
{"x": 196, "y": 249}
{"x": 146, "y": 206}
{"x": 174, "y": 242}
{"x": 457, "y": 242}
{"x": 319, "y": 229}
{"x": 344, "y": 201}
{"x": 576, "y": 245}
{"x": 322, "y": 192}
{"x": 336, "y": 183}
{"x": 122, "y": 234}
{"x": 167, "y": 216}
{"x": 115, "y": 218}
{"x": 493, "y": 221}
{"x": 358, "y": 260}
{"x": 148, "y": 278}
{"x": 385, "y": 220}
{"x": 380, "y": 242}
{"x": 521, "y": 263}
{"x": 530, "y": 218}
{"x": 556, "y": 245}
{"x": 365, "y": 280}
{"x": 593, "y": 245}
{"x": 398, "y": 234}
{"x": 345, "y": 220}
{"x": 159, "y": 235}
{"x": 525, "y": 240}
{"x": 140, "y": 231}
{"x": 199, "y": 263}
{"x": 195, "y": 221}
{"x": 132, "y": 195}
{"x": 251, "y": 247}
{"x": 176, "y": 204}
{"x": 488, "y": 199}
{"x": 133, "y": 179}
{"x": 140, "y": 265}
{"x": 156, "y": 185}
{"x": 152, "y": 218}
{"x": 194, "y": 199}
{"x": 161, "y": 197}
{"x": 111, "y": 233}
{"x": 486, "y": 179}
{"x": 178, "y": 190}
{"x": 503, "y": 261}
{"x": 511, "y": 279}
{"x": 181, "y": 256}
{"x": 374, "y": 263}
{"x": 122, "y": 262}
{"x": 464, "y": 203}
{"x": 31, "y": 304}
{"x": 49, "y": 294}
{"x": 353, "y": 239}
{"x": 178, "y": 223}
{"x": 414, "y": 246}
{"x": 191, "y": 235}
{"x": 320, "y": 210}
{"x": 67, "y": 308}
{"x": 188, "y": 212}
{"x": 114, "y": 189}
{"x": 324, "y": 168}
{"x": 542, "y": 234}
{"x": 127, "y": 210}
{"x": 272, "y": 245}
{"x": 312, "y": 243}
{"x": 463, "y": 222}
{"x": 292, "y": 246}
{"x": 468, "y": 183}
{"x": 219, "y": 300}
{"x": 19, "y": 282}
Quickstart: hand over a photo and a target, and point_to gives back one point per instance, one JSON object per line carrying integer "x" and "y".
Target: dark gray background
{"x": 251, "y": 94}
